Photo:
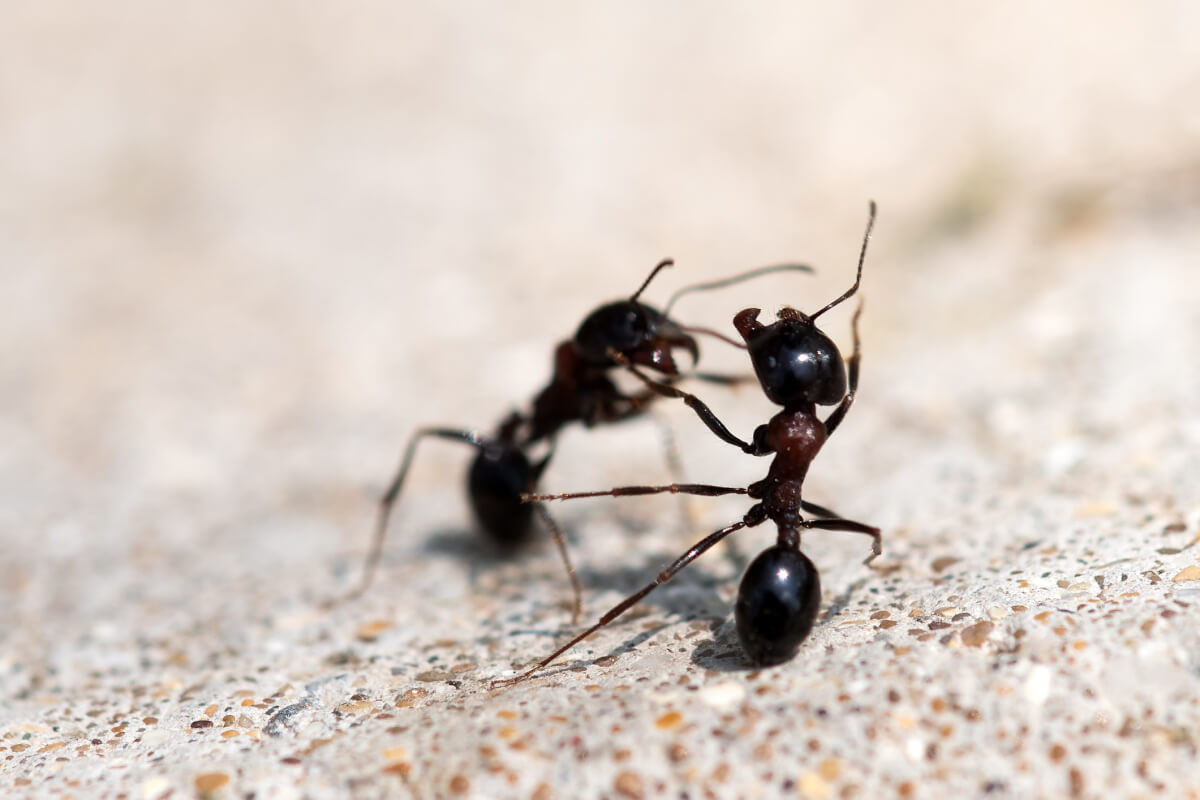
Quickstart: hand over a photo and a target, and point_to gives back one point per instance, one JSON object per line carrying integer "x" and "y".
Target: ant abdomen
{"x": 495, "y": 482}
{"x": 777, "y": 605}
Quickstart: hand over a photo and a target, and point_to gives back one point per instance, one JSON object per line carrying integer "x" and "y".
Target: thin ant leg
{"x": 819, "y": 511}
{"x": 696, "y": 404}
{"x": 754, "y": 517}
{"x": 680, "y": 488}
{"x": 674, "y": 466}
{"x": 850, "y": 526}
{"x": 389, "y": 499}
{"x": 561, "y": 542}
{"x": 835, "y": 419}
{"x": 703, "y": 489}
{"x": 721, "y": 380}
{"x": 670, "y": 450}
{"x": 723, "y": 433}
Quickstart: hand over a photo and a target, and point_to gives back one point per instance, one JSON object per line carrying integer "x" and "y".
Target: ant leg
{"x": 674, "y": 466}
{"x": 670, "y": 450}
{"x": 839, "y": 413}
{"x": 704, "y": 489}
{"x": 752, "y": 518}
{"x": 819, "y": 511}
{"x": 389, "y": 499}
{"x": 850, "y": 526}
{"x": 560, "y": 542}
{"x": 695, "y": 403}
{"x": 722, "y": 380}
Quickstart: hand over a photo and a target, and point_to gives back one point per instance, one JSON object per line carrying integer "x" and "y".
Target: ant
{"x": 799, "y": 368}
{"x": 623, "y": 334}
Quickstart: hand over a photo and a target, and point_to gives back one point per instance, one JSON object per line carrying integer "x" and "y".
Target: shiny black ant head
{"x": 636, "y": 333}
{"x": 796, "y": 363}
{"x": 640, "y": 334}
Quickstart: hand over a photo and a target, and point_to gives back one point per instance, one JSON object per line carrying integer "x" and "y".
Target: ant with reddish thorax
{"x": 621, "y": 335}
{"x": 799, "y": 368}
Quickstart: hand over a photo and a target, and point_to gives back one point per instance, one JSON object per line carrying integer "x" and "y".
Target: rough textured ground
{"x": 244, "y": 255}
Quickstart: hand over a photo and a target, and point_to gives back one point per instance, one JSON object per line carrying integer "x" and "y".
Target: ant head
{"x": 639, "y": 333}
{"x": 796, "y": 363}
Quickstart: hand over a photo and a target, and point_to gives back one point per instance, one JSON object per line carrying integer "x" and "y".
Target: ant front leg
{"x": 696, "y": 404}
{"x": 703, "y": 489}
{"x": 760, "y": 446}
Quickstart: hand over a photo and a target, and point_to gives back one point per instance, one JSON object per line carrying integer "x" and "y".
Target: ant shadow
{"x": 465, "y": 544}
{"x": 692, "y": 595}
{"x": 479, "y": 556}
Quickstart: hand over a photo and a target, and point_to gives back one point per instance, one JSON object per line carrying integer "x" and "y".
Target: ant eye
{"x": 797, "y": 364}
{"x": 622, "y": 326}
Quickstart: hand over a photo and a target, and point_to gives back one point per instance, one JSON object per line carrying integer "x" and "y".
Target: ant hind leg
{"x": 751, "y": 519}
{"x": 850, "y": 526}
{"x": 388, "y": 500}
{"x": 560, "y": 541}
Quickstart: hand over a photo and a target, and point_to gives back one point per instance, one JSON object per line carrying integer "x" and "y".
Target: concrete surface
{"x": 246, "y": 251}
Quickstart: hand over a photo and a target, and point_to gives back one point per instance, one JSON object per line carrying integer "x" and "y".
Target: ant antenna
{"x": 715, "y": 334}
{"x": 745, "y": 276}
{"x": 861, "y": 257}
{"x": 666, "y": 262}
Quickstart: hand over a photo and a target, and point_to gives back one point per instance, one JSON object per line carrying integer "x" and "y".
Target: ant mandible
{"x": 623, "y": 334}
{"x": 799, "y": 368}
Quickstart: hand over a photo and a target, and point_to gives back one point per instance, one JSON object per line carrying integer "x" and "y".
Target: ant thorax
{"x": 795, "y": 437}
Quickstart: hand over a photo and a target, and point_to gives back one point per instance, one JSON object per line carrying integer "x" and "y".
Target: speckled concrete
{"x": 245, "y": 255}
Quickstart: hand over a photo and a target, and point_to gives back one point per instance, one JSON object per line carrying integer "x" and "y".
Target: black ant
{"x": 799, "y": 368}
{"x": 624, "y": 334}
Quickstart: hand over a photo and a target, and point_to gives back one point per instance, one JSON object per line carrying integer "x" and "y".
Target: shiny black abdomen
{"x": 777, "y": 604}
{"x": 497, "y": 478}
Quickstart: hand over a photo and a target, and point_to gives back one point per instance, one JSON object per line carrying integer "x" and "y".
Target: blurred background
{"x": 247, "y": 248}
